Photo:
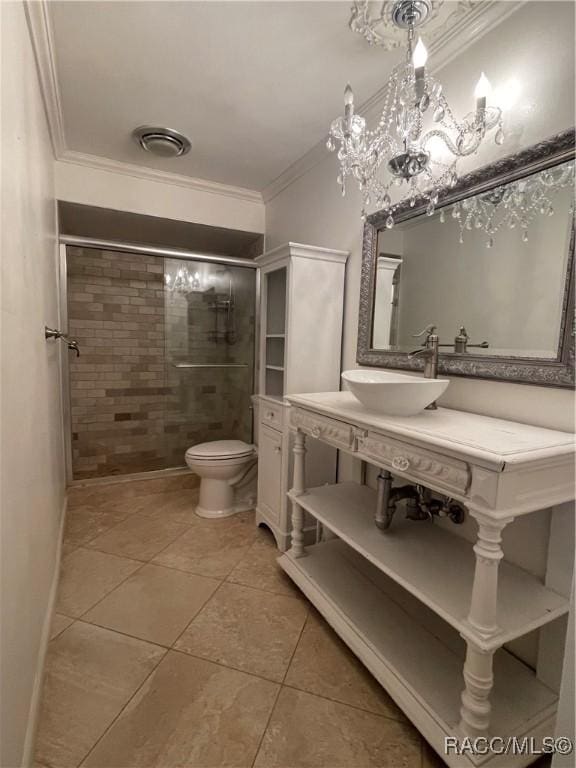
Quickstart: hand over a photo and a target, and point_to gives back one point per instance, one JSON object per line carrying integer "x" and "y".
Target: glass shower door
{"x": 209, "y": 318}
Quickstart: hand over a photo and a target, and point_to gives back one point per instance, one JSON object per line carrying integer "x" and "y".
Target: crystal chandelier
{"x": 415, "y": 117}
{"x": 514, "y": 205}
{"x": 183, "y": 281}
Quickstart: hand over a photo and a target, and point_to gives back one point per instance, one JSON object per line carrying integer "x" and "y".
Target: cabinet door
{"x": 270, "y": 473}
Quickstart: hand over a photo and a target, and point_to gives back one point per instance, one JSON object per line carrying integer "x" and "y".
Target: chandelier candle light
{"x": 400, "y": 144}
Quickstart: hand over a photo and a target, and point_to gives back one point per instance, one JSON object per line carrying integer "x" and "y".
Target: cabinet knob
{"x": 401, "y": 463}
{"x": 270, "y": 415}
{"x": 277, "y": 449}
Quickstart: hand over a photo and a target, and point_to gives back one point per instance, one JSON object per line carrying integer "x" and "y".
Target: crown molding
{"x": 40, "y": 29}
{"x": 43, "y": 46}
{"x": 163, "y": 177}
{"x": 480, "y": 19}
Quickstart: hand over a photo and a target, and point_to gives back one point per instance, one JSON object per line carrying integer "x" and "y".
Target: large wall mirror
{"x": 492, "y": 268}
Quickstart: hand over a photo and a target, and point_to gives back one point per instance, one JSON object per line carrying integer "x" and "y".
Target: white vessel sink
{"x": 394, "y": 394}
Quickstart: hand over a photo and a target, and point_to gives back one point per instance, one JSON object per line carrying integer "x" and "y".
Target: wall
{"x": 132, "y": 410}
{"x": 31, "y": 464}
{"x": 533, "y": 79}
{"x": 123, "y": 191}
{"x": 529, "y": 59}
{"x": 117, "y": 385}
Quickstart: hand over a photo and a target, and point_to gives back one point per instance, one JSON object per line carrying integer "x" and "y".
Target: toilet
{"x": 224, "y": 467}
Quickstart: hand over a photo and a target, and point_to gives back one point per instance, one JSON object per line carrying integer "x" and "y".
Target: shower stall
{"x": 166, "y": 359}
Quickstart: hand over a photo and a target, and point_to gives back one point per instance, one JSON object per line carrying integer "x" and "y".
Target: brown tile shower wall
{"x": 213, "y": 403}
{"x": 132, "y": 410}
{"x": 118, "y": 384}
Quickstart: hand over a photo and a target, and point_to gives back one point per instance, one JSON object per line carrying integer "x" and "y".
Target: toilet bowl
{"x": 222, "y": 466}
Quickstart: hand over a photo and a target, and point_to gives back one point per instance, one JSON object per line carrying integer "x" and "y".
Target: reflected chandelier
{"x": 183, "y": 281}
{"x": 420, "y": 160}
{"x": 514, "y": 205}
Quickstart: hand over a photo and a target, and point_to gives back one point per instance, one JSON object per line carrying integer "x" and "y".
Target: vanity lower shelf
{"x": 433, "y": 564}
{"x": 421, "y": 673}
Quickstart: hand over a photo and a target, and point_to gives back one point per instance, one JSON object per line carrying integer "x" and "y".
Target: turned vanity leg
{"x": 298, "y": 488}
{"x": 488, "y": 550}
{"x": 478, "y": 678}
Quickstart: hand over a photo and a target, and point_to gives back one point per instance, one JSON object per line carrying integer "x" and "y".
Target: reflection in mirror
{"x": 490, "y": 271}
{"x": 386, "y": 301}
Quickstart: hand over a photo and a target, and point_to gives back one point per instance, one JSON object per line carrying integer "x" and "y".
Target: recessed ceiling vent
{"x": 163, "y": 142}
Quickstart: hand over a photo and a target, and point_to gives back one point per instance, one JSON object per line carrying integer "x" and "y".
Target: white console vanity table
{"x": 394, "y": 595}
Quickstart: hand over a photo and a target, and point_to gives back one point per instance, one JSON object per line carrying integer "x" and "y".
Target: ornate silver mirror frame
{"x": 558, "y": 372}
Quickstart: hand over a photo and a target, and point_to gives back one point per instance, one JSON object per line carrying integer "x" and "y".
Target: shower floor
{"x": 179, "y": 642}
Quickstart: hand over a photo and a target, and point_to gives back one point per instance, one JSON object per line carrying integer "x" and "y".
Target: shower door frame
{"x": 145, "y": 250}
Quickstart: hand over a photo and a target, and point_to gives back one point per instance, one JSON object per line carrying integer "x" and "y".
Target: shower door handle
{"x": 53, "y": 333}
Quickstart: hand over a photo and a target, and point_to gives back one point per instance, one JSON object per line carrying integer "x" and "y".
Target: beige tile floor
{"x": 179, "y": 643}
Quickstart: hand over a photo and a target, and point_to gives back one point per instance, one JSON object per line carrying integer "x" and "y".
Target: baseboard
{"x": 36, "y": 699}
{"x": 128, "y": 478}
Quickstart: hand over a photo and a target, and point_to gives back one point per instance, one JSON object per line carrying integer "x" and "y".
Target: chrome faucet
{"x": 430, "y": 353}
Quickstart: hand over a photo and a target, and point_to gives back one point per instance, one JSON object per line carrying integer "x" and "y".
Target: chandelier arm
{"x": 398, "y": 144}
{"x": 458, "y": 151}
{"x": 449, "y": 115}
{"x": 436, "y": 133}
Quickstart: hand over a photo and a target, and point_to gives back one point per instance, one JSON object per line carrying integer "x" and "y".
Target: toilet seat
{"x": 220, "y": 449}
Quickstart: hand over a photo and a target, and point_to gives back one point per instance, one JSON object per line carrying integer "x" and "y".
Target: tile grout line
{"x": 280, "y": 687}
{"x": 193, "y": 619}
{"x": 293, "y": 687}
{"x": 280, "y": 684}
{"x": 191, "y": 527}
{"x": 167, "y": 648}
{"x": 234, "y": 669}
{"x": 86, "y": 544}
{"x": 123, "y": 634}
{"x": 143, "y": 564}
{"x": 128, "y": 517}
{"x": 224, "y": 666}
{"x": 152, "y": 562}
{"x": 115, "y": 587}
{"x": 84, "y": 489}
{"x": 130, "y": 698}
{"x": 257, "y": 589}
{"x": 72, "y": 622}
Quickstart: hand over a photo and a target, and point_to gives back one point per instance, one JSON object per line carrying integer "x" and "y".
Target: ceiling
{"x": 254, "y": 85}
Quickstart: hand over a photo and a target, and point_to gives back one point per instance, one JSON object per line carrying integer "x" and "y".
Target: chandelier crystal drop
{"x": 418, "y": 141}
{"x": 183, "y": 281}
{"x": 512, "y": 206}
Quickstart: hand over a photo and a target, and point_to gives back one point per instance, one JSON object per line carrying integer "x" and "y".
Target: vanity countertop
{"x": 495, "y": 442}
